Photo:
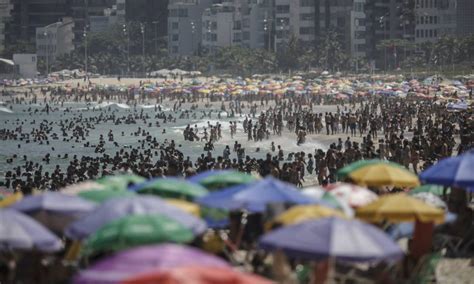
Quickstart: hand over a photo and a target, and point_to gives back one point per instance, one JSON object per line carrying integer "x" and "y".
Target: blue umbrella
{"x": 54, "y": 202}
{"x": 117, "y": 208}
{"x": 18, "y": 231}
{"x": 53, "y": 209}
{"x": 406, "y": 229}
{"x": 453, "y": 171}
{"x": 255, "y": 196}
{"x": 342, "y": 239}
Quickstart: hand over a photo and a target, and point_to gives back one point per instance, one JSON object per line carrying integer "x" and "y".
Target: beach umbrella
{"x": 453, "y": 171}
{"x": 197, "y": 275}
{"x": 384, "y": 174}
{"x": 117, "y": 208}
{"x": 128, "y": 263}
{"x": 345, "y": 171}
{"x": 135, "y": 230}
{"x": 121, "y": 182}
{"x": 301, "y": 213}
{"x": 354, "y": 195}
{"x": 171, "y": 188}
{"x": 224, "y": 199}
{"x": 74, "y": 189}
{"x": 191, "y": 208}
{"x": 53, "y": 209}
{"x": 268, "y": 191}
{"x": 11, "y": 199}
{"x": 406, "y": 229}
{"x": 99, "y": 196}
{"x": 431, "y": 199}
{"x": 336, "y": 238}
{"x": 19, "y": 231}
{"x": 315, "y": 192}
{"x": 431, "y": 188}
{"x": 222, "y": 179}
{"x": 399, "y": 207}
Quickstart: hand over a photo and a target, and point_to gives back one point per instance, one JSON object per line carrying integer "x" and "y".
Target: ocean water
{"x": 23, "y": 116}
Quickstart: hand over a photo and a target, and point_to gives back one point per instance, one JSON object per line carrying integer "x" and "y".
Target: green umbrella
{"x": 100, "y": 196}
{"x": 226, "y": 179}
{"x": 171, "y": 188}
{"x": 345, "y": 171}
{"x": 121, "y": 182}
{"x": 431, "y": 188}
{"x": 135, "y": 230}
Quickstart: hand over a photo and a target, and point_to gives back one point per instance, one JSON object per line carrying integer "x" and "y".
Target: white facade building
{"x": 294, "y": 18}
{"x": 185, "y": 26}
{"x": 221, "y": 26}
{"x": 358, "y": 29}
{"x": 434, "y": 19}
{"x": 55, "y": 39}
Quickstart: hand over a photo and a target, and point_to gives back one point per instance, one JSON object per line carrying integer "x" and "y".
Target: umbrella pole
{"x": 321, "y": 272}
{"x": 422, "y": 239}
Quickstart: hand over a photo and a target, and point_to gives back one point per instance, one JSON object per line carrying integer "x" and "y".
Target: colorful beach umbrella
{"x": 271, "y": 190}
{"x": 121, "y": 182}
{"x": 301, "y": 213}
{"x": 354, "y": 195}
{"x": 135, "y": 230}
{"x": 131, "y": 262}
{"x": 222, "y": 179}
{"x": 76, "y": 188}
{"x": 399, "y": 207}
{"x": 171, "y": 188}
{"x": 341, "y": 239}
{"x": 117, "y": 208}
{"x": 453, "y": 171}
{"x": 53, "y": 209}
{"x": 191, "y": 208}
{"x": 431, "y": 199}
{"x": 431, "y": 188}
{"x": 384, "y": 174}
{"x": 19, "y": 231}
{"x": 197, "y": 275}
{"x": 100, "y": 196}
{"x": 11, "y": 199}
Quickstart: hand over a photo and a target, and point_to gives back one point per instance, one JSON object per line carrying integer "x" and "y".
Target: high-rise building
{"x": 465, "y": 17}
{"x": 434, "y": 19}
{"x": 27, "y": 15}
{"x": 185, "y": 26}
{"x": 55, "y": 39}
{"x": 388, "y": 20}
{"x": 5, "y": 8}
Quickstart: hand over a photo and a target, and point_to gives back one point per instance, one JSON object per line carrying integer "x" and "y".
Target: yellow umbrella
{"x": 400, "y": 207}
{"x": 302, "y": 213}
{"x": 10, "y": 199}
{"x": 189, "y": 207}
{"x": 384, "y": 174}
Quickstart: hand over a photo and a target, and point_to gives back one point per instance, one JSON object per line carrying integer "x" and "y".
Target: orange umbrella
{"x": 197, "y": 275}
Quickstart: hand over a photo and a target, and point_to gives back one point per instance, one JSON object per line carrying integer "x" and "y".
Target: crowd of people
{"x": 411, "y": 132}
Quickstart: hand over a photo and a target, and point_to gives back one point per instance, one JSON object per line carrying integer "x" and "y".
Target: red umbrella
{"x": 197, "y": 275}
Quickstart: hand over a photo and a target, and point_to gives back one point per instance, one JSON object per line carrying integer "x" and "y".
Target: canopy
{"x": 128, "y": 263}
{"x": 342, "y": 239}
{"x": 399, "y": 208}
{"x": 117, "y": 208}
{"x": 384, "y": 175}
{"x": 136, "y": 230}
{"x": 452, "y": 171}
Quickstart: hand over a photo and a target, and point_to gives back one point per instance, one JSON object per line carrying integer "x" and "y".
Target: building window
{"x": 175, "y": 37}
{"x": 431, "y": 33}
{"x": 307, "y": 17}
{"x": 306, "y": 31}
{"x": 436, "y": 19}
{"x": 174, "y": 49}
{"x": 435, "y": 33}
{"x": 306, "y": 3}
{"x": 246, "y": 35}
{"x": 174, "y": 25}
{"x": 418, "y": 33}
{"x": 283, "y": 9}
